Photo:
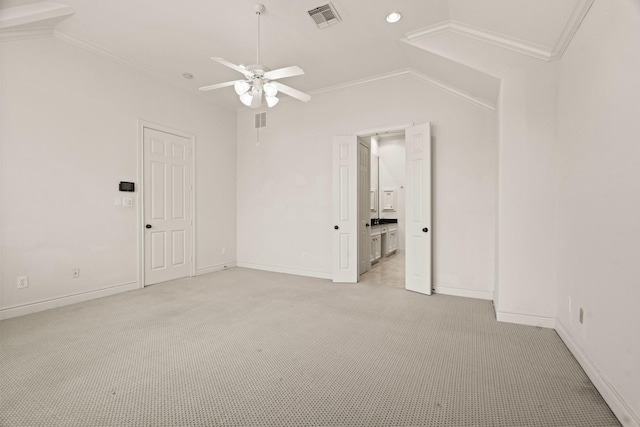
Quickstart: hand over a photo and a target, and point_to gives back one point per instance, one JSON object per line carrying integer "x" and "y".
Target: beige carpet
{"x": 250, "y": 348}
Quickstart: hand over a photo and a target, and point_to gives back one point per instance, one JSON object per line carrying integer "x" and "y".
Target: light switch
{"x": 118, "y": 201}
{"x": 127, "y": 201}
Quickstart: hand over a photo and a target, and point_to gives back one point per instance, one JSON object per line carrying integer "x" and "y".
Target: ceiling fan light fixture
{"x": 258, "y": 85}
{"x": 270, "y": 89}
{"x": 271, "y": 100}
{"x": 241, "y": 87}
{"x": 393, "y": 17}
{"x": 246, "y": 98}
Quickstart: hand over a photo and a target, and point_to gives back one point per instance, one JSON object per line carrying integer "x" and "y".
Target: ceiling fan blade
{"x": 217, "y": 86}
{"x": 294, "y": 93}
{"x": 233, "y": 66}
{"x": 281, "y": 73}
{"x": 256, "y": 102}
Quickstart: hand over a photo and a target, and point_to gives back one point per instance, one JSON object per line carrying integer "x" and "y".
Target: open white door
{"x": 418, "y": 209}
{"x": 345, "y": 209}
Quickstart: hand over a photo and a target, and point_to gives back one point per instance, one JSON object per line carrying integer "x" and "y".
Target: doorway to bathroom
{"x": 386, "y": 210}
{"x": 367, "y": 221}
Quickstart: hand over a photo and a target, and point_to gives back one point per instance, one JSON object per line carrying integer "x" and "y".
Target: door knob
{"x": 424, "y": 230}
{"x": 335, "y": 227}
{"x": 148, "y": 226}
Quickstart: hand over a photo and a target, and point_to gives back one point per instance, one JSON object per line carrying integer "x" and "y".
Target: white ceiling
{"x": 169, "y": 38}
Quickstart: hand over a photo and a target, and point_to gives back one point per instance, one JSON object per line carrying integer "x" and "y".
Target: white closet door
{"x": 167, "y": 207}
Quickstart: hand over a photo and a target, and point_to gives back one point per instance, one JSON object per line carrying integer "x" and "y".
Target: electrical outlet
{"x": 23, "y": 282}
{"x": 581, "y": 317}
{"x": 76, "y": 273}
{"x": 304, "y": 255}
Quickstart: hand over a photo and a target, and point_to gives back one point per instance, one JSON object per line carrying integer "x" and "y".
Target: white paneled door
{"x": 167, "y": 206}
{"x": 418, "y": 209}
{"x": 345, "y": 209}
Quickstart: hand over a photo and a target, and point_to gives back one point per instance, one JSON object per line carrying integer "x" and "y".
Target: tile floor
{"x": 388, "y": 271}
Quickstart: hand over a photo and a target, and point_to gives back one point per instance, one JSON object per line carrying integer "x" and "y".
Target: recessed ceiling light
{"x": 393, "y": 17}
{"x": 187, "y": 76}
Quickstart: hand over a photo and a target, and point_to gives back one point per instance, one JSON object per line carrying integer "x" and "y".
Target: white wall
{"x": 527, "y": 194}
{"x": 69, "y": 135}
{"x": 392, "y": 175}
{"x": 599, "y": 203}
{"x": 285, "y": 192}
{"x": 526, "y": 265}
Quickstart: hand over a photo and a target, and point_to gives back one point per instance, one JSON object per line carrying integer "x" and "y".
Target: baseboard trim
{"x": 618, "y": 405}
{"x": 213, "y": 268}
{"x": 286, "y": 270}
{"x": 35, "y": 307}
{"x": 526, "y": 319}
{"x": 457, "y": 292}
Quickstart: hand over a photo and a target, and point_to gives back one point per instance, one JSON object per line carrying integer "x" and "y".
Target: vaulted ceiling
{"x": 170, "y": 38}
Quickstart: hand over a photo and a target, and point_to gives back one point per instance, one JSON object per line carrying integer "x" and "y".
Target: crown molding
{"x": 360, "y": 82}
{"x": 507, "y": 42}
{"x": 83, "y": 44}
{"x": 31, "y": 21}
{"x": 12, "y": 35}
{"x": 103, "y": 52}
{"x": 444, "y": 87}
{"x": 452, "y": 90}
{"x": 575, "y": 20}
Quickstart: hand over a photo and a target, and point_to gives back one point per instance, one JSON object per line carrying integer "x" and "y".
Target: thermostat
{"x": 127, "y": 186}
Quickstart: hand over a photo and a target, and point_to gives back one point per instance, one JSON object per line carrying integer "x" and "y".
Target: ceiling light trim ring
{"x": 393, "y": 17}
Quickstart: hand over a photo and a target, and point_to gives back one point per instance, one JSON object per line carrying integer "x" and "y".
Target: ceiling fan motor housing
{"x": 257, "y": 70}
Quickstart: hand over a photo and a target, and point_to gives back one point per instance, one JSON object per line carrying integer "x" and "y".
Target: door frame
{"x": 359, "y": 134}
{"x": 366, "y": 213}
{"x": 142, "y": 124}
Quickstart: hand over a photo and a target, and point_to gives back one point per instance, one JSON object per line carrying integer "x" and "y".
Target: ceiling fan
{"x": 259, "y": 79}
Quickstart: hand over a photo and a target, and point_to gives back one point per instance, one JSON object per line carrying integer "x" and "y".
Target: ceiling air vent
{"x": 261, "y": 120}
{"x": 325, "y": 15}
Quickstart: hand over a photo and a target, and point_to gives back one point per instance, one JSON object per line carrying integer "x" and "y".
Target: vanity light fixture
{"x": 393, "y": 17}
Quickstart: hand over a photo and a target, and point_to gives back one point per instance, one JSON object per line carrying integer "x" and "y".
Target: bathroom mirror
{"x": 375, "y": 185}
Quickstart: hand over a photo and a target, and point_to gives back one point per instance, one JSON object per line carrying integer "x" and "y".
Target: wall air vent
{"x": 325, "y": 15}
{"x": 261, "y": 120}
